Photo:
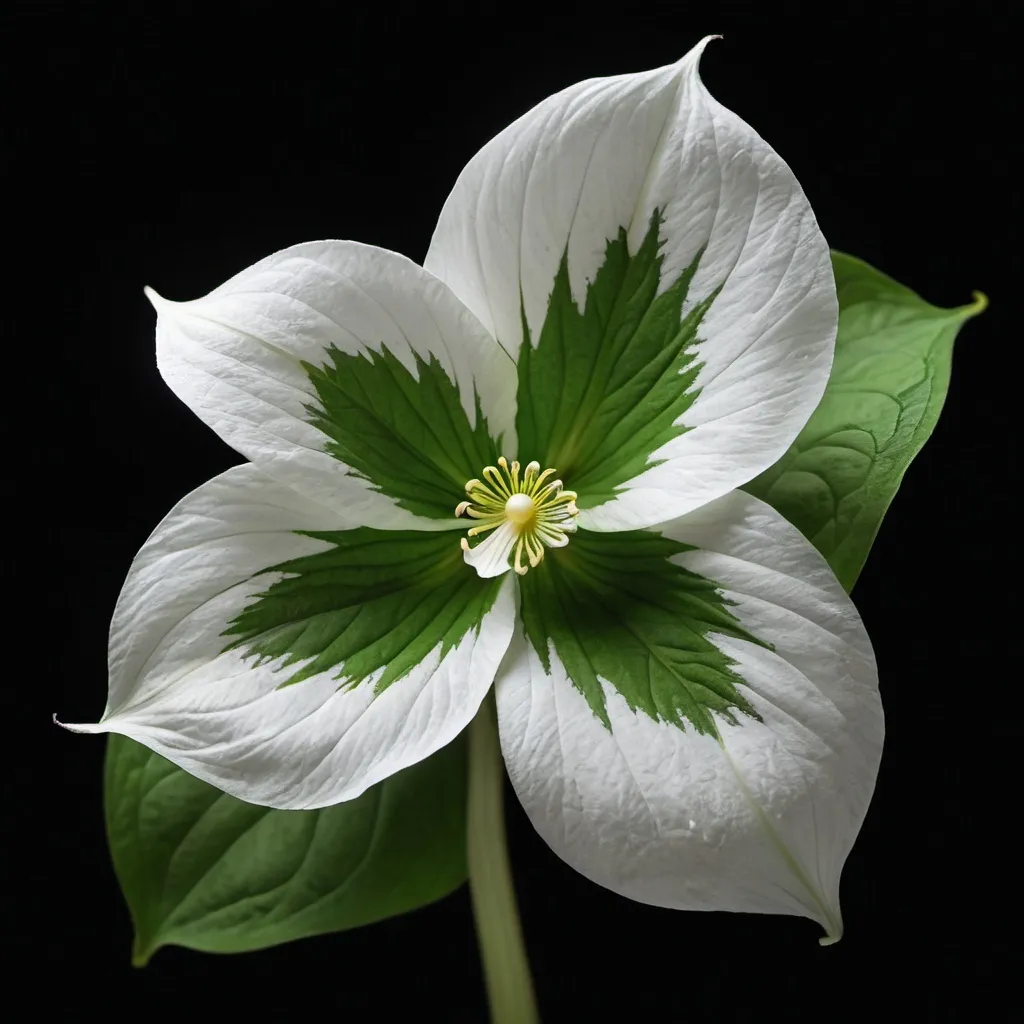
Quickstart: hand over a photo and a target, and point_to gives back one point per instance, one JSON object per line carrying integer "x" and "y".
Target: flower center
{"x": 527, "y": 513}
{"x": 519, "y": 509}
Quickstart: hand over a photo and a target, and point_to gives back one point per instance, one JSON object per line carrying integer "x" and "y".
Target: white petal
{"x": 235, "y": 358}
{"x": 604, "y": 155}
{"x": 225, "y": 717}
{"x": 761, "y": 821}
{"x": 490, "y": 557}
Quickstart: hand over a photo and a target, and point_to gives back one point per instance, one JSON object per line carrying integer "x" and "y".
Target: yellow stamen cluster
{"x": 532, "y": 512}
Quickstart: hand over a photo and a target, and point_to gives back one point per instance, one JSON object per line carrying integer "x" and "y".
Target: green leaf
{"x": 888, "y": 384}
{"x": 604, "y": 388}
{"x": 376, "y": 600}
{"x": 201, "y": 869}
{"x": 407, "y": 434}
{"x": 617, "y": 608}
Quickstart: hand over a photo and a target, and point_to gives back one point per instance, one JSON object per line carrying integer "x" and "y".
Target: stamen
{"x": 494, "y": 478}
{"x": 543, "y": 476}
{"x": 484, "y": 527}
{"x": 519, "y": 567}
{"x": 532, "y": 512}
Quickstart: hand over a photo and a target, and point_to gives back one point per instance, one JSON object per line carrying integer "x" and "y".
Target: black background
{"x": 173, "y": 146}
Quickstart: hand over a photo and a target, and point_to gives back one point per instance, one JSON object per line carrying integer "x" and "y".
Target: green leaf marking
{"x": 407, "y": 434}
{"x": 616, "y": 607}
{"x": 374, "y": 600}
{"x": 888, "y": 383}
{"x": 201, "y": 869}
{"x": 604, "y": 388}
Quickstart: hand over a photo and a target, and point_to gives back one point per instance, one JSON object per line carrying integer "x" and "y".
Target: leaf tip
{"x": 141, "y": 953}
{"x": 978, "y": 306}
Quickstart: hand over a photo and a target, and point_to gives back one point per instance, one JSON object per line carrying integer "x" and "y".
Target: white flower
{"x": 627, "y": 312}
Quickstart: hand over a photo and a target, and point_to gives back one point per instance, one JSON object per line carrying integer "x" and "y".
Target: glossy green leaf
{"x": 889, "y": 381}
{"x": 201, "y": 869}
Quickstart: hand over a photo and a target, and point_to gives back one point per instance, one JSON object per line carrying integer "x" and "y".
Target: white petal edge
{"x": 761, "y": 823}
{"x": 606, "y": 153}
{"x": 234, "y": 356}
{"x": 215, "y": 715}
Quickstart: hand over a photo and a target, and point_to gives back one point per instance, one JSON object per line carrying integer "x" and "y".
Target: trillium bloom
{"x": 517, "y": 467}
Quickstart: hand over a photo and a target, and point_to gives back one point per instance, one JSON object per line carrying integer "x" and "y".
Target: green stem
{"x": 506, "y": 969}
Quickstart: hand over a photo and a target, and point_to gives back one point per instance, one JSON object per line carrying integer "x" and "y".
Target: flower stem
{"x": 506, "y": 969}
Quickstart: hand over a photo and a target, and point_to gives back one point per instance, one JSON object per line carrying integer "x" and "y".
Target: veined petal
{"x": 296, "y": 669}
{"x": 348, "y": 373}
{"x": 659, "y": 275}
{"x": 691, "y": 718}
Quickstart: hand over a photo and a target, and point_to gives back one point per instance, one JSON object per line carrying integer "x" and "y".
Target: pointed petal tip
{"x": 694, "y": 54}
{"x": 831, "y": 920}
{"x": 81, "y": 728}
{"x": 165, "y": 307}
{"x": 688, "y": 65}
{"x": 155, "y": 298}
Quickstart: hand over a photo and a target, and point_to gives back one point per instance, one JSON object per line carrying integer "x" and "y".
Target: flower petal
{"x": 490, "y": 557}
{"x": 293, "y": 669}
{"x": 692, "y": 718}
{"x": 349, "y": 373}
{"x": 674, "y": 287}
